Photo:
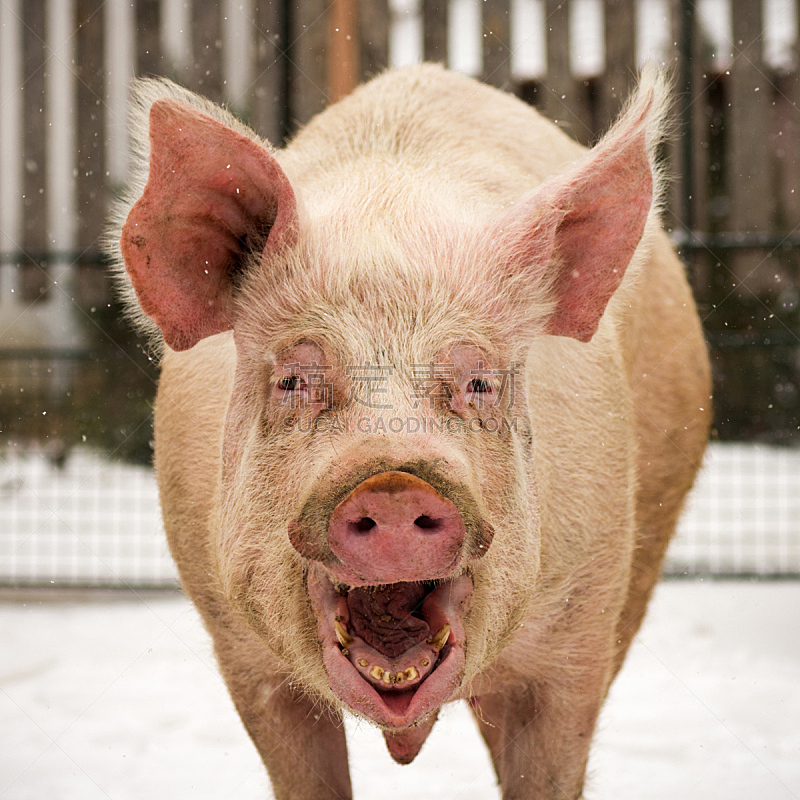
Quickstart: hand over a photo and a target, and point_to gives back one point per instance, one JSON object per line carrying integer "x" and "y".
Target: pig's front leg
{"x": 301, "y": 742}
{"x": 539, "y": 738}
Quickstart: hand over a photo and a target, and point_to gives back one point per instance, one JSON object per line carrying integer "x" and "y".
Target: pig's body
{"x": 573, "y": 508}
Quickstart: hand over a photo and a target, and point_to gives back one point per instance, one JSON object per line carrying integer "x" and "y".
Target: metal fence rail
{"x": 81, "y": 519}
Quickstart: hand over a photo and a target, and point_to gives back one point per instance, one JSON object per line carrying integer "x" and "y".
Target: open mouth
{"x": 393, "y": 652}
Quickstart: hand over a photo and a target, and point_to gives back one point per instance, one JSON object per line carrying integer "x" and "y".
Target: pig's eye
{"x": 479, "y": 386}
{"x": 291, "y": 383}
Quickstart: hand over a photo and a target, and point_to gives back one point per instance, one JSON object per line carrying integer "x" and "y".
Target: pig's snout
{"x": 396, "y": 527}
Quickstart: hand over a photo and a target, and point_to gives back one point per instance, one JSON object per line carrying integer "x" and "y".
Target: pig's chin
{"x": 395, "y": 652}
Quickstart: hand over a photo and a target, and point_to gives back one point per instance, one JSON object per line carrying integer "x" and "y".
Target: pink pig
{"x": 435, "y": 390}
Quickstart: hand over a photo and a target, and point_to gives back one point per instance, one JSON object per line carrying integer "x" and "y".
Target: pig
{"x": 433, "y": 391}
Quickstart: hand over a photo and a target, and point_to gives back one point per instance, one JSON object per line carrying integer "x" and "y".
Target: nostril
{"x": 364, "y": 524}
{"x": 427, "y": 523}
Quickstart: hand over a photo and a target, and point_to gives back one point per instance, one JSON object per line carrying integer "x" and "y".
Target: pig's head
{"x": 378, "y": 524}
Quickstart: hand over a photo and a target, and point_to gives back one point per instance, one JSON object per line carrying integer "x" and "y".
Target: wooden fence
{"x": 734, "y": 205}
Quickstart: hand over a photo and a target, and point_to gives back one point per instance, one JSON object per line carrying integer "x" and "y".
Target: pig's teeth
{"x": 425, "y": 662}
{"x": 362, "y": 662}
{"x": 440, "y": 638}
{"x": 345, "y": 639}
{"x": 380, "y": 674}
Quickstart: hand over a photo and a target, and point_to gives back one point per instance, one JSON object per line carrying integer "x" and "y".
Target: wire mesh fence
{"x": 85, "y": 520}
{"x": 81, "y": 519}
{"x": 743, "y": 516}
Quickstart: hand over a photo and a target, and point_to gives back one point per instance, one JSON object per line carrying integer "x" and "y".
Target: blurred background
{"x": 108, "y": 687}
{"x": 77, "y": 497}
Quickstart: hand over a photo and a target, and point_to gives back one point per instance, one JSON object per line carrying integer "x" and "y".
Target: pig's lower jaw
{"x": 397, "y": 682}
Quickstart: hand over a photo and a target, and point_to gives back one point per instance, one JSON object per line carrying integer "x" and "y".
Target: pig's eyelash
{"x": 291, "y": 383}
{"x": 479, "y": 386}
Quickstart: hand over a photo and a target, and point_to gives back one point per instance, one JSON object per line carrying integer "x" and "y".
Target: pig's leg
{"x": 301, "y": 742}
{"x": 539, "y": 738}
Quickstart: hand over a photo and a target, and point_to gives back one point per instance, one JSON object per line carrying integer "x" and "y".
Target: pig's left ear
{"x": 212, "y": 195}
{"x": 577, "y": 233}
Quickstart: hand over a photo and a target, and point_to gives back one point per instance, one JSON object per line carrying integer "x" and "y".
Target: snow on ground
{"x": 116, "y": 696}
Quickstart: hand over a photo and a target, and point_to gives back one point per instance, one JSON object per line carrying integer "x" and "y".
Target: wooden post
{"x": 34, "y": 279}
{"x": 343, "y": 62}
{"x": 497, "y": 43}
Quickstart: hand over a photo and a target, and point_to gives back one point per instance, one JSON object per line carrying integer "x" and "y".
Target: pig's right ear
{"x": 212, "y": 195}
{"x": 573, "y": 238}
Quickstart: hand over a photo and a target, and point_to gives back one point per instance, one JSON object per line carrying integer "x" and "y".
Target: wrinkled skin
{"x": 434, "y": 394}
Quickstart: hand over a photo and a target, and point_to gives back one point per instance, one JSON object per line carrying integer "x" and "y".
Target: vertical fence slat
{"x": 90, "y": 142}
{"x": 497, "y": 42}
{"x": 33, "y": 277}
{"x": 90, "y": 88}
{"x": 747, "y": 132}
{"x": 373, "y": 31}
{"x": 792, "y": 192}
{"x": 564, "y": 102}
{"x": 206, "y": 69}
{"x": 681, "y": 206}
{"x": 692, "y": 110}
{"x": 786, "y": 143}
{"x": 270, "y": 99}
{"x": 307, "y": 81}
{"x": 620, "y": 41}
{"x": 558, "y": 97}
{"x": 689, "y": 152}
{"x": 785, "y": 140}
{"x": 434, "y": 30}
{"x": 149, "y": 52}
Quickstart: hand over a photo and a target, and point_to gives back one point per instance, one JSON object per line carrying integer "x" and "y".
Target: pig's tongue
{"x": 385, "y": 642}
{"x": 383, "y": 616}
